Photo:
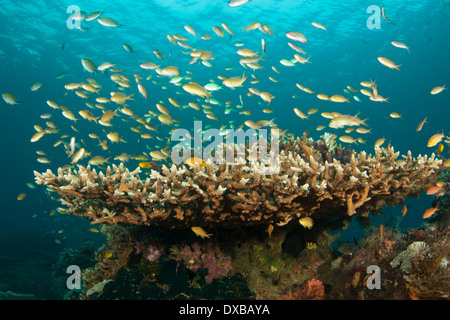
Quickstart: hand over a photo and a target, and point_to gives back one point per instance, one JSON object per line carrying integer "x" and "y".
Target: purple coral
{"x": 151, "y": 251}
{"x": 205, "y": 255}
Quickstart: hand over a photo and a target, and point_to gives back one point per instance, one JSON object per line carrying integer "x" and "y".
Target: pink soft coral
{"x": 205, "y": 255}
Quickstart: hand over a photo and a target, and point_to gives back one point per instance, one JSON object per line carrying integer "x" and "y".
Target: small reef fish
{"x": 300, "y": 114}
{"x": 404, "y": 210}
{"x": 401, "y": 45}
{"x": 388, "y": 63}
{"x": 437, "y": 90}
{"x": 201, "y": 233}
{"x": 296, "y": 36}
{"x": 419, "y": 127}
{"x": 128, "y": 48}
{"x": 109, "y": 22}
{"x": 435, "y": 139}
{"x": 383, "y": 13}
{"x": 319, "y": 26}
{"x": 269, "y": 230}
{"x": 21, "y": 196}
{"x": 88, "y": 65}
{"x": 395, "y": 115}
{"x": 9, "y": 98}
{"x": 447, "y": 163}
{"x": 379, "y": 142}
{"x": 429, "y": 212}
{"x": 347, "y": 139}
{"x": 380, "y": 230}
{"x": 306, "y": 222}
{"x": 108, "y": 255}
{"x": 78, "y": 155}
{"x": 36, "y": 86}
{"x": 237, "y": 3}
{"x": 195, "y": 161}
{"x": 433, "y": 190}
{"x": 146, "y": 165}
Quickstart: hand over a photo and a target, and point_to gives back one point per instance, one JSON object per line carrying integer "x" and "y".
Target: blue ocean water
{"x": 36, "y": 44}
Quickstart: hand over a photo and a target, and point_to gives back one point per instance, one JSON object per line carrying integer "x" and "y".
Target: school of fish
{"x": 119, "y": 105}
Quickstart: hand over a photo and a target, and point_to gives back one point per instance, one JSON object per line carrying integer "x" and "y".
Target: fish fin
{"x": 363, "y": 122}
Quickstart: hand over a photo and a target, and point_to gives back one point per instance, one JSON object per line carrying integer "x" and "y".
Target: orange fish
{"x": 433, "y": 190}
{"x": 380, "y": 230}
{"x": 404, "y": 210}
{"x": 269, "y": 230}
{"x": 429, "y": 212}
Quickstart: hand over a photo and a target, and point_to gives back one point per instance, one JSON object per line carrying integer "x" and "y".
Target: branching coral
{"x": 106, "y": 268}
{"x": 241, "y": 194}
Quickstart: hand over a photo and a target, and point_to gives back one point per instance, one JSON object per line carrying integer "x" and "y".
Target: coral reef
{"x": 239, "y": 194}
{"x": 111, "y": 257}
{"x": 205, "y": 255}
{"x": 312, "y": 290}
{"x": 403, "y": 259}
{"x": 150, "y": 252}
{"x": 429, "y": 274}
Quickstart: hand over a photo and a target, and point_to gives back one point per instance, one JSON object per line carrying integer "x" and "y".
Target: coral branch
{"x": 236, "y": 194}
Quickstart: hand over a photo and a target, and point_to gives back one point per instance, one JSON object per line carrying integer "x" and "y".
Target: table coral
{"x": 309, "y": 183}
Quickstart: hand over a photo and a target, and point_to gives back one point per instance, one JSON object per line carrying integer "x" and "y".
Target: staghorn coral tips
{"x": 315, "y": 179}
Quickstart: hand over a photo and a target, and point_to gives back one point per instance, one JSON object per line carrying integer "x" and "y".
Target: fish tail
{"x": 364, "y": 123}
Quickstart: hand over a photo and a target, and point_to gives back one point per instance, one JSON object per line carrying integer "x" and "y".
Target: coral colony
{"x": 254, "y": 247}
{"x": 237, "y": 194}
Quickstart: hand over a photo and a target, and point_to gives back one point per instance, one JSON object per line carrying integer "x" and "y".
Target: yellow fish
{"x": 21, "y": 196}
{"x": 388, "y": 63}
{"x": 146, "y": 165}
{"x": 447, "y": 163}
{"x": 108, "y": 255}
{"x": 306, "y": 222}
{"x": 269, "y": 230}
{"x": 440, "y": 148}
{"x": 200, "y": 232}
{"x": 193, "y": 161}
{"x": 379, "y": 142}
{"x": 435, "y": 139}
{"x": 419, "y": 127}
